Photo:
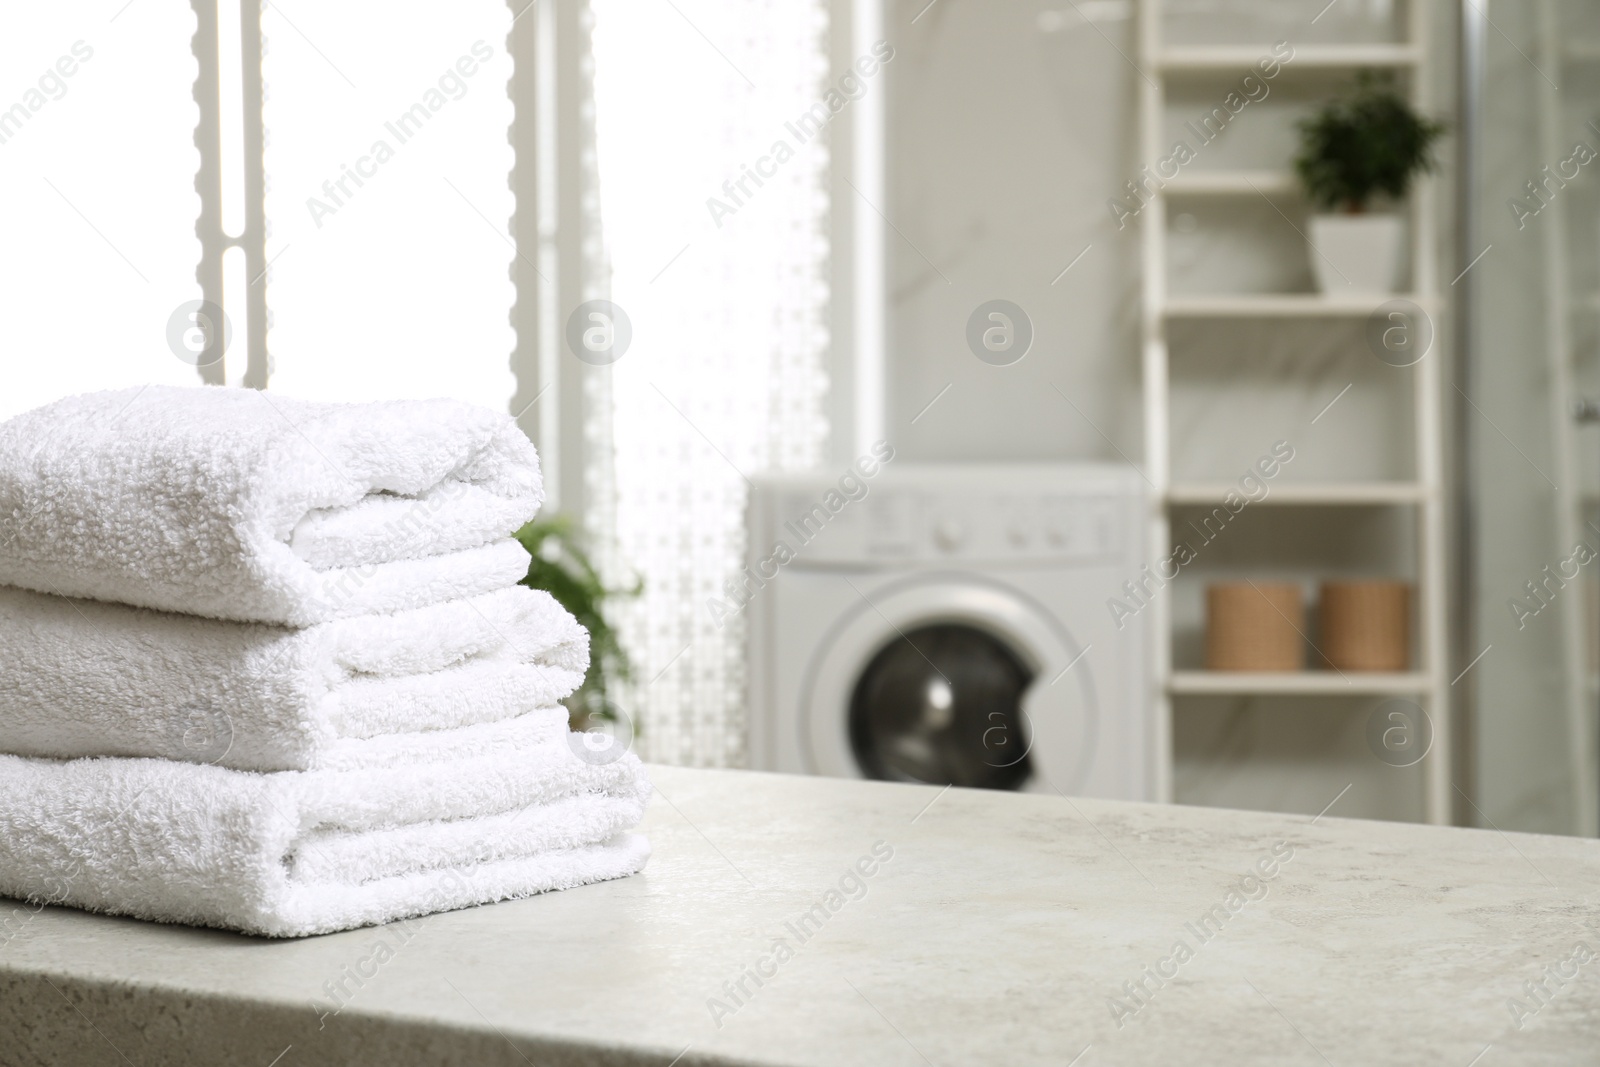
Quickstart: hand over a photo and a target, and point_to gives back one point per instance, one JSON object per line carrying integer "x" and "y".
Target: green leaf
{"x": 1368, "y": 143}
{"x": 561, "y": 567}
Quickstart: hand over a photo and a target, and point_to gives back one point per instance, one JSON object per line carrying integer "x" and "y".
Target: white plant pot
{"x": 1357, "y": 255}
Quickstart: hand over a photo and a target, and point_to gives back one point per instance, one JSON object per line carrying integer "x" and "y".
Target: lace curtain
{"x": 716, "y": 244}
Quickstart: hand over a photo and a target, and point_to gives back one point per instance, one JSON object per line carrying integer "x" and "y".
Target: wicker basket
{"x": 1255, "y": 627}
{"x": 1366, "y": 626}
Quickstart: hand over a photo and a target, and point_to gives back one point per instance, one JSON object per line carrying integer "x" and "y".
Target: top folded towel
{"x": 233, "y": 504}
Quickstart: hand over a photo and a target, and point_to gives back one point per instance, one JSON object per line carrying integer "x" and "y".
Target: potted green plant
{"x": 560, "y": 566}
{"x": 1358, "y": 153}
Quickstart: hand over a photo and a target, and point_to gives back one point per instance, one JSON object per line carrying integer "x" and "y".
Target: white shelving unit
{"x": 1281, "y": 305}
{"x": 1298, "y": 683}
{"x": 1234, "y": 183}
{"x": 1228, "y": 58}
{"x": 1427, "y": 683}
{"x": 1348, "y": 494}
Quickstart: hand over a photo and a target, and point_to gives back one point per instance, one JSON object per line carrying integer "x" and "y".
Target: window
{"x": 356, "y": 243}
{"x": 388, "y": 205}
{"x": 387, "y": 201}
{"x": 97, "y": 164}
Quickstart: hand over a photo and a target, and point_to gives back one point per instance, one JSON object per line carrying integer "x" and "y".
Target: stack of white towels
{"x": 265, "y": 665}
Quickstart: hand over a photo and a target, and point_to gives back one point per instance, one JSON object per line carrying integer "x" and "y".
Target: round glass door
{"x": 943, "y": 705}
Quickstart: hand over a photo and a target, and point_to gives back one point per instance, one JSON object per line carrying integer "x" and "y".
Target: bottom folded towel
{"x": 295, "y": 853}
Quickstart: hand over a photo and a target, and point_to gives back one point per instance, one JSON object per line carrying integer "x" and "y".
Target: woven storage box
{"x": 1254, "y": 627}
{"x": 1366, "y": 626}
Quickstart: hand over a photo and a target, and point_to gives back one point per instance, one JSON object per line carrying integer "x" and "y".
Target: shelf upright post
{"x": 1428, "y": 401}
{"x": 1152, "y": 232}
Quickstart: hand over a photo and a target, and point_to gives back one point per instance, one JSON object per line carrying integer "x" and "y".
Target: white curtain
{"x": 717, "y": 246}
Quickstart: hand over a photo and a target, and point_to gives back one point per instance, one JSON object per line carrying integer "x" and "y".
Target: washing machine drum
{"x": 950, "y": 680}
{"x": 943, "y": 704}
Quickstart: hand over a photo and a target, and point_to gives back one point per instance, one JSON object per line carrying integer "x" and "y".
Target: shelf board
{"x": 1233, "y": 183}
{"x": 1241, "y": 58}
{"x": 1298, "y": 683}
{"x": 1282, "y": 305}
{"x": 1306, "y": 493}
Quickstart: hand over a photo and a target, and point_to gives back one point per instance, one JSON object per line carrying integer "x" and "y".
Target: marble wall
{"x": 1535, "y": 283}
{"x": 1010, "y": 128}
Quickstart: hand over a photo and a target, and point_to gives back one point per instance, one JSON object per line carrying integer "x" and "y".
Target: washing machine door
{"x": 951, "y": 680}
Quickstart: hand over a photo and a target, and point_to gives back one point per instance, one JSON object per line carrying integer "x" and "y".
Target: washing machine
{"x": 952, "y": 625}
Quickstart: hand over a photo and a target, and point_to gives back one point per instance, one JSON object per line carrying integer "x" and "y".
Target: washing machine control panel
{"x": 916, "y": 525}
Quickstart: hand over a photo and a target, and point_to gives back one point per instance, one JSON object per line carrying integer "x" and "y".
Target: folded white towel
{"x": 81, "y": 678}
{"x": 234, "y": 504}
{"x": 299, "y": 853}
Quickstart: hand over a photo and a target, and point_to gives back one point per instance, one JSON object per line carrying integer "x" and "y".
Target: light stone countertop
{"x": 998, "y": 931}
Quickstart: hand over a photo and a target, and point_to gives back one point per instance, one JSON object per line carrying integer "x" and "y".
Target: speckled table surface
{"x": 793, "y": 920}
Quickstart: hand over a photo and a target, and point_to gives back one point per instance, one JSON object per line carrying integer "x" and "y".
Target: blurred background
{"x": 929, "y": 295}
